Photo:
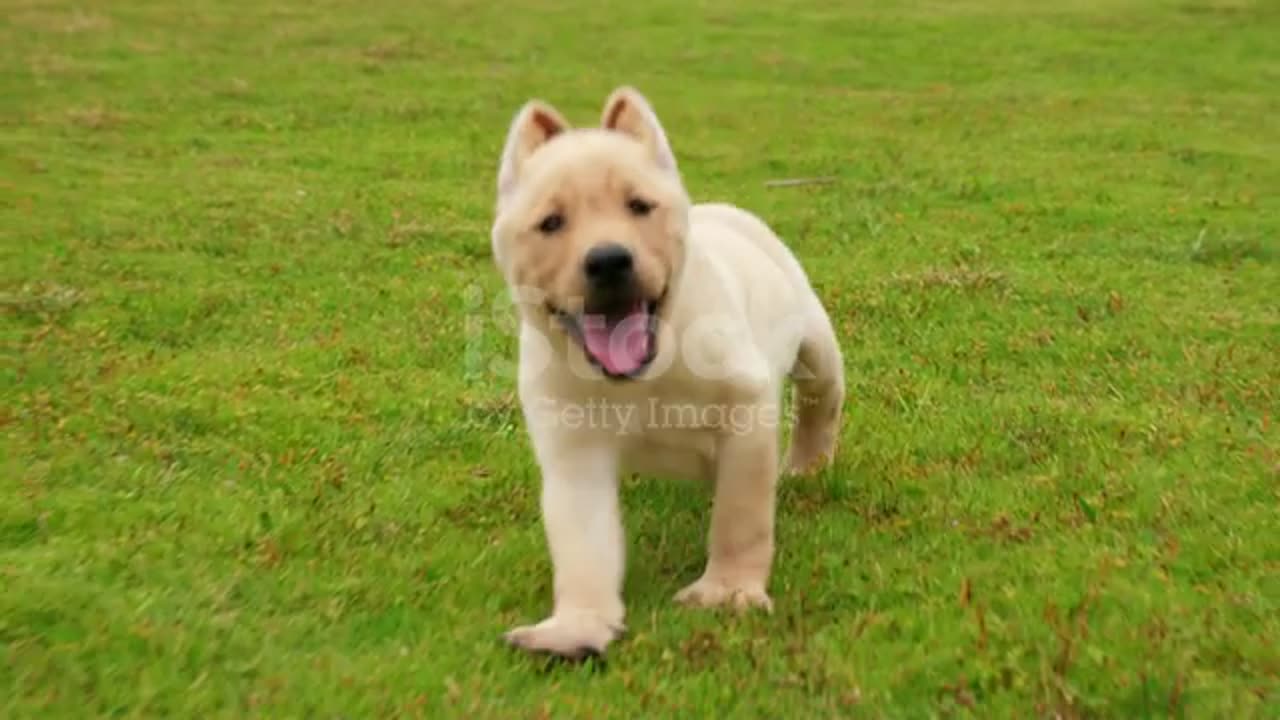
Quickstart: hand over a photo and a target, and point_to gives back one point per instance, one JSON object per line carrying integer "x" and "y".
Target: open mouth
{"x": 620, "y": 343}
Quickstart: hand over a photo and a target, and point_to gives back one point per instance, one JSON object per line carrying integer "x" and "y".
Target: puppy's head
{"x": 591, "y": 225}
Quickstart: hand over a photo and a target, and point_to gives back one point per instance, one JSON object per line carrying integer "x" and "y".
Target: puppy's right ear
{"x": 628, "y": 112}
{"x": 535, "y": 124}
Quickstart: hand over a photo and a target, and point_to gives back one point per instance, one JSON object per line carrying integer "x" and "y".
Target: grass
{"x": 261, "y": 455}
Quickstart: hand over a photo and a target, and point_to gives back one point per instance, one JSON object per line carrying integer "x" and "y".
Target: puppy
{"x": 655, "y": 337}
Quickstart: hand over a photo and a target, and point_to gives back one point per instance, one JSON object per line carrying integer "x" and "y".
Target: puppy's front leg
{"x": 742, "y": 519}
{"x": 584, "y": 532}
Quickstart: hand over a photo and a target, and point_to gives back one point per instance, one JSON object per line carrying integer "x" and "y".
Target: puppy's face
{"x": 591, "y": 227}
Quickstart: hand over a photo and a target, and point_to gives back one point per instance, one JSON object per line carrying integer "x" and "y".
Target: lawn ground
{"x": 261, "y": 456}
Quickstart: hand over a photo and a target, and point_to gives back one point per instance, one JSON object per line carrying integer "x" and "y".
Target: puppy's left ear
{"x": 627, "y": 111}
{"x": 535, "y": 124}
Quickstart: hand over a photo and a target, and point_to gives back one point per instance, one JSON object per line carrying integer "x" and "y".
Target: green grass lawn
{"x": 261, "y": 453}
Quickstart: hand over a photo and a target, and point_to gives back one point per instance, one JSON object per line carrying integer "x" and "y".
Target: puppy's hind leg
{"x": 818, "y": 375}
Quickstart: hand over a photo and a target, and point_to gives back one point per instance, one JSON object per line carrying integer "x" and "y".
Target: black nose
{"x": 607, "y": 264}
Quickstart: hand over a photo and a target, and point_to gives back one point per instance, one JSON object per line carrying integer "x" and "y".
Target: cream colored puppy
{"x": 656, "y": 336}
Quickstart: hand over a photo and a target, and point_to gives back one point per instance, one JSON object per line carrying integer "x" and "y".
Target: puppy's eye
{"x": 639, "y": 207}
{"x": 551, "y": 223}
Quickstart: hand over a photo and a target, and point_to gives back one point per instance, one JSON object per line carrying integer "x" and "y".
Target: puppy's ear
{"x": 535, "y": 124}
{"x": 627, "y": 111}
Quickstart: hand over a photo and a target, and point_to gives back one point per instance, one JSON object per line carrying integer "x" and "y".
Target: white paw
{"x": 807, "y": 457}
{"x": 801, "y": 466}
{"x": 573, "y": 636}
{"x": 711, "y": 592}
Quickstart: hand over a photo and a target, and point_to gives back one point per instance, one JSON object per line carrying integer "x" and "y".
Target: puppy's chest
{"x": 687, "y": 454}
{"x": 671, "y": 438}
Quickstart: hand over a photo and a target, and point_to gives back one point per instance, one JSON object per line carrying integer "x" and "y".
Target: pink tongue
{"x": 620, "y": 347}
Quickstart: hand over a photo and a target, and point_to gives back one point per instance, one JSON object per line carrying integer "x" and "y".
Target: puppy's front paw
{"x": 572, "y": 636}
{"x": 713, "y": 592}
{"x": 808, "y": 457}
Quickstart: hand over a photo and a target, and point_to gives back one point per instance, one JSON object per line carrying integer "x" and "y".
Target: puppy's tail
{"x": 818, "y": 376}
